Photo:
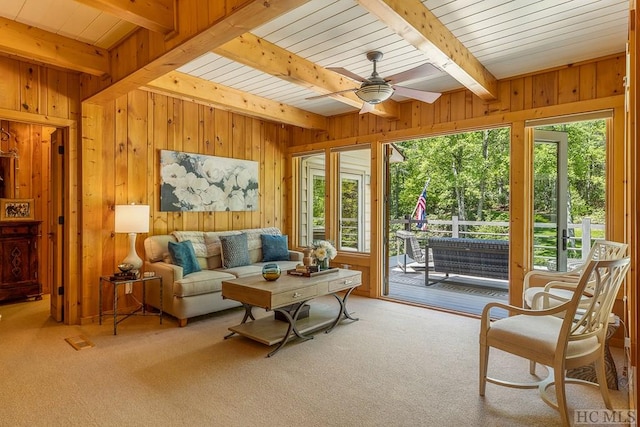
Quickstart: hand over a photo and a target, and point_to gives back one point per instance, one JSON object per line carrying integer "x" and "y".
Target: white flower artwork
{"x": 200, "y": 183}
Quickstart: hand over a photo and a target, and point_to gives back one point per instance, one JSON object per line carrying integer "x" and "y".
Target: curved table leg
{"x": 247, "y": 315}
{"x": 343, "y": 310}
{"x": 291, "y": 320}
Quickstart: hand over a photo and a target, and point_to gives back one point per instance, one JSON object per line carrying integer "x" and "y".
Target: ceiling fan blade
{"x": 347, "y": 73}
{"x": 324, "y": 95}
{"x": 420, "y": 71}
{"x": 420, "y": 95}
{"x": 367, "y": 108}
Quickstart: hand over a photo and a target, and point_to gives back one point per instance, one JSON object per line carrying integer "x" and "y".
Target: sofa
{"x": 470, "y": 257}
{"x": 188, "y": 293}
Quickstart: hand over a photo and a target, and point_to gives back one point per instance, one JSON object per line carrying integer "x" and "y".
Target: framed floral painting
{"x": 201, "y": 183}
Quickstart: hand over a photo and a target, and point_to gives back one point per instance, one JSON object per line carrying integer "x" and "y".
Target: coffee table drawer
{"x": 295, "y": 295}
{"x": 345, "y": 283}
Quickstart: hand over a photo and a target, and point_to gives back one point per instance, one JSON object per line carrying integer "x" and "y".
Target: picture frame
{"x": 17, "y": 209}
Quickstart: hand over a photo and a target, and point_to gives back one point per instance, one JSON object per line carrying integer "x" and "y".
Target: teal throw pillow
{"x": 183, "y": 254}
{"x": 235, "y": 250}
{"x": 275, "y": 247}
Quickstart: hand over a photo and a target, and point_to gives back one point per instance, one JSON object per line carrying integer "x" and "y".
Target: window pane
{"x": 312, "y": 199}
{"x": 355, "y": 201}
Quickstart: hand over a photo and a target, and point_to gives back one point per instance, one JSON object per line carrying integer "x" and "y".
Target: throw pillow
{"x": 275, "y": 247}
{"x": 183, "y": 254}
{"x": 235, "y": 250}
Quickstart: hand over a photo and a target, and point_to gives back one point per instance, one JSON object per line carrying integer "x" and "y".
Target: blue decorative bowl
{"x": 271, "y": 272}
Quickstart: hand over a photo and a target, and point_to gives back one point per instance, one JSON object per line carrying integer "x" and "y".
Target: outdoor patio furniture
{"x": 410, "y": 246}
{"x": 470, "y": 257}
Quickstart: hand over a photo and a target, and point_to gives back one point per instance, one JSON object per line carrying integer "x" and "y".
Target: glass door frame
{"x": 560, "y": 140}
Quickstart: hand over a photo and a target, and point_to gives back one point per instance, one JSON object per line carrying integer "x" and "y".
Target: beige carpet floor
{"x": 397, "y": 366}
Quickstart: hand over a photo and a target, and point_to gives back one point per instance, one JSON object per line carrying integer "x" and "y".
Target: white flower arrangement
{"x": 323, "y": 249}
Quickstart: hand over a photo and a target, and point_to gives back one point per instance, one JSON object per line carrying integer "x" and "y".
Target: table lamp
{"x": 132, "y": 219}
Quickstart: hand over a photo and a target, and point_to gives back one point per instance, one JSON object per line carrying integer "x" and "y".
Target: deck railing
{"x": 580, "y": 240}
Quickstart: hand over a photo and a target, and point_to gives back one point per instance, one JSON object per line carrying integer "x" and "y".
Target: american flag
{"x": 421, "y": 211}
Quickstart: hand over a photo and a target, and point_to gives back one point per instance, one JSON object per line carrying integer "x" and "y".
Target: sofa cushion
{"x": 155, "y": 247}
{"x": 182, "y": 254}
{"x": 199, "y": 283}
{"x": 274, "y": 247}
{"x": 235, "y": 251}
{"x": 197, "y": 240}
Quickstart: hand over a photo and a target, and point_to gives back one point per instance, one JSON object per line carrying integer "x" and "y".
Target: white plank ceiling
{"x": 509, "y": 37}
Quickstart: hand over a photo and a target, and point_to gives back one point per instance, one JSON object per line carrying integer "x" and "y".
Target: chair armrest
{"x": 295, "y": 256}
{"x": 542, "y": 299}
{"x": 485, "y": 319}
{"x": 541, "y": 278}
{"x": 570, "y": 286}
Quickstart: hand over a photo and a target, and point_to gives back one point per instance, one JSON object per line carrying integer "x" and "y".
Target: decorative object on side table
{"x": 132, "y": 219}
{"x": 323, "y": 251}
{"x": 271, "y": 272}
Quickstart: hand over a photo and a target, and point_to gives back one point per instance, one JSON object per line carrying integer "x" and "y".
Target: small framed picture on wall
{"x": 16, "y": 209}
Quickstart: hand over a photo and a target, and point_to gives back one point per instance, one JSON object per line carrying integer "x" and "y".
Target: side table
{"x": 143, "y": 306}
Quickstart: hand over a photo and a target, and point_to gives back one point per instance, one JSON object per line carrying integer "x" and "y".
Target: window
{"x": 350, "y": 207}
{"x": 312, "y": 199}
{"x": 355, "y": 200}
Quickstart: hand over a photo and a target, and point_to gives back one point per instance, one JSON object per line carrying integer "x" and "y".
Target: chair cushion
{"x": 275, "y": 247}
{"x": 183, "y": 254}
{"x": 235, "y": 251}
{"x": 535, "y": 338}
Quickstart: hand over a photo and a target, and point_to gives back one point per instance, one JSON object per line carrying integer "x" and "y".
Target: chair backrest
{"x": 412, "y": 245}
{"x": 604, "y": 250}
{"x": 603, "y": 279}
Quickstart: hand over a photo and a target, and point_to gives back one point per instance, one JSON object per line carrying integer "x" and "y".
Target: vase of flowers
{"x": 323, "y": 251}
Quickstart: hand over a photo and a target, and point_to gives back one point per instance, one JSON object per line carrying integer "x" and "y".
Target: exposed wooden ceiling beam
{"x": 416, "y": 24}
{"x": 42, "y": 46}
{"x": 150, "y": 56}
{"x": 154, "y": 15}
{"x": 264, "y": 56}
{"x": 194, "y": 89}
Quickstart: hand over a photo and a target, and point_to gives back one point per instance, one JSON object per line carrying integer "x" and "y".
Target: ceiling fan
{"x": 376, "y": 89}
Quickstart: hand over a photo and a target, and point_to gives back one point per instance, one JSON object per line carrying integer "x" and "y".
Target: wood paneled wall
{"x": 34, "y": 100}
{"x": 121, "y": 157}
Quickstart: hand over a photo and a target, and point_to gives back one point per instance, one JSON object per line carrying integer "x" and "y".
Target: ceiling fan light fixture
{"x": 374, "y": 93}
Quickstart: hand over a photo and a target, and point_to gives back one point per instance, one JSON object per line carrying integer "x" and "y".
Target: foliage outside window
{"x": 468, "y": 177}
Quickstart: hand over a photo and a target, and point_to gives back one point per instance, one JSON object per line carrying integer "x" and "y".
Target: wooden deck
{"x": 464, "y": 294}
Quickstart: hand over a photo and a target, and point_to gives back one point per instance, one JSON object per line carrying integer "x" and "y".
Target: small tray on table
{"x": 295, "y": 272}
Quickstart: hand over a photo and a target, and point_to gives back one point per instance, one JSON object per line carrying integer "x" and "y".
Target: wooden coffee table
{"x": 280, "y": 295}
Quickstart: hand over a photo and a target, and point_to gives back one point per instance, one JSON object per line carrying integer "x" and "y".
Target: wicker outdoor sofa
{"x": 470, "y": 257}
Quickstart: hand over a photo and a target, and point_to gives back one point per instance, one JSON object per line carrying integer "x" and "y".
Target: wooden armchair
{"x": 566, "y": 336}
{"x": 542, "y": 288}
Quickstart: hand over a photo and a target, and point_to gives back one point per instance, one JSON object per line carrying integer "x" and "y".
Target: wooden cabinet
{"x": 19, "y": 260}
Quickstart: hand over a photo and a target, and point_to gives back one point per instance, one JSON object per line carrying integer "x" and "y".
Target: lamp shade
{"x": 374, "y": 93}
{"x": 132, "y": 219}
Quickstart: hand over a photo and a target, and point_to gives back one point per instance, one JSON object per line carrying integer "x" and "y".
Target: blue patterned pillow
{"x": 183, "y": 254}
{"x": 275, "y": 247}
{"x": 235, "y": 250}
